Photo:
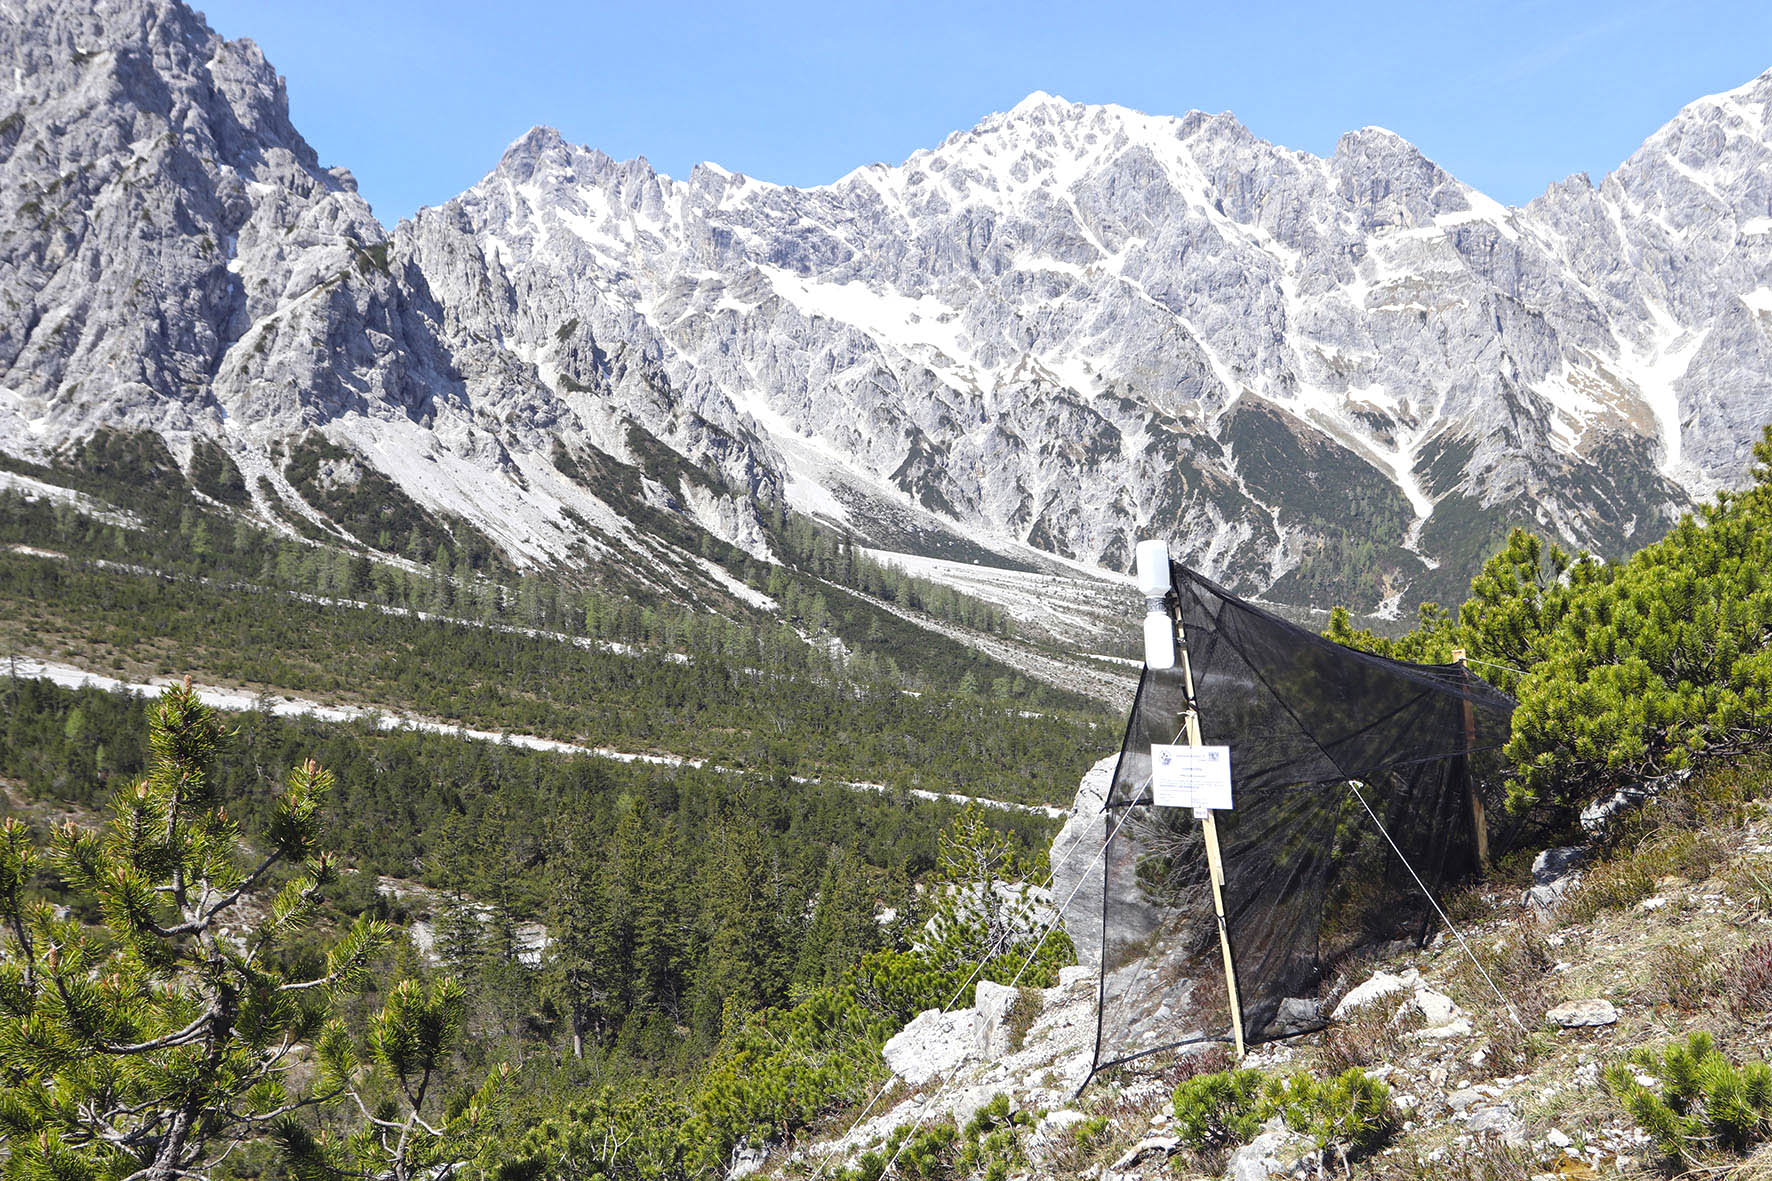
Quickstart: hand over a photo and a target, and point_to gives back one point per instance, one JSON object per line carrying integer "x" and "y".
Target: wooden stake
{"x": 1479, "y": 816}
{"x": 1214, "y": 858}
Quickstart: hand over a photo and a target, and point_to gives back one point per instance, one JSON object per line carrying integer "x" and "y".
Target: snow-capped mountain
{"x": 1066, "y": 328}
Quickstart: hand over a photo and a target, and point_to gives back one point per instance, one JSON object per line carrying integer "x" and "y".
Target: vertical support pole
{"x": 1214, "y": 858}
{"x": 1479, "y": 816}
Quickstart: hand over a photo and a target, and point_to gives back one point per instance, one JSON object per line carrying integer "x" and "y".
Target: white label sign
{"x": 1191, "y": 776}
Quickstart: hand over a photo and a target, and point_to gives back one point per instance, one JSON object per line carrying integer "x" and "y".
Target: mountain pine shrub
{"x": 777, "y": 1072}
{"x": 1695, "y": 1103}
{"x": 990, "y": 1147}
{"x": 158, "y": 1038}
{"x": 1218, "y": 1111}
{"x": 158, "y": 1023}
{"x": 992, "y": 1141}
{"x": 631, "y": 1133}
{"x": 1350, "y": 1113}
{"x": 1624, "y": 670}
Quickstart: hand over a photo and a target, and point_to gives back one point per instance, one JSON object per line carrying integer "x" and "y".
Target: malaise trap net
{"x": 1313, "y": 729}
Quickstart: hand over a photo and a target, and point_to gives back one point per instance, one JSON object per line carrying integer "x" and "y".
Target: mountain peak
{"x": 1383, "y": 148}
{"x": 537, "y": 141}
{"x": 1757, "y": 88}
{"x": 1038, "y": 100}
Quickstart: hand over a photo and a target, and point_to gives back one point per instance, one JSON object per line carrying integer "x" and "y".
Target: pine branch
{"x": 184, "y": 1037}
{"x": 204, "y": 920}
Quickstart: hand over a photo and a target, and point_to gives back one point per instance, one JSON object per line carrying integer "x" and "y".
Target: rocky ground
{"x": 1493, "y": 1047}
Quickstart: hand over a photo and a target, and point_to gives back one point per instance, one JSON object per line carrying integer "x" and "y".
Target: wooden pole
{"x": 1479, "y": 817}
{"x": 1214, "y": 859}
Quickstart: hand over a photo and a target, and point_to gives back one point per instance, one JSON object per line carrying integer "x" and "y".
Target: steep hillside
{"x": 176, "y": 261}
{"x": 1499, "y": 1054}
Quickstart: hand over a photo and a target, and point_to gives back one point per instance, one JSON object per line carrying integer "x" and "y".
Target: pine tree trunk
{"x": 166, "y": 1160}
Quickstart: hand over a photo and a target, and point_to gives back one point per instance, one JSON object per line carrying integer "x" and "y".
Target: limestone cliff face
{"x": 174, "y": 259}
{"x": 1067, "y": 327}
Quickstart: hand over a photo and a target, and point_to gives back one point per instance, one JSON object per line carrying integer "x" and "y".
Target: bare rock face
{"x": 1244, "y": 342}
{"x": 179, "y": 259}
{"x": 174, "y": 259}
{"x": 1067, "y": 327}
{"x": 1276, "y": 1152}
{"x": 1554, "y": 873}
{"x": 1077, "y": 871}
{"x": 991, "y": 1034}
{"x": 930, "y": 1046}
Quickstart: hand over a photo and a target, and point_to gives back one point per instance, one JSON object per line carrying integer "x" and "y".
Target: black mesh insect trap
{"x": 1241, "y": 858}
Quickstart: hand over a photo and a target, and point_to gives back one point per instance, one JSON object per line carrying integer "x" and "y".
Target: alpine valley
{"x": 620, "y": 678}
{"x": 1326, "y": 380}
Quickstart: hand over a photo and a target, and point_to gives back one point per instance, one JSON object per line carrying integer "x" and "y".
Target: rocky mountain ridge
{"x": 1068, "y": 327}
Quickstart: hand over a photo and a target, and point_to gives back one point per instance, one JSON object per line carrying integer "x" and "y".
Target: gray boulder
{"x": 1583, "y": 1014}
{"x": 1554, "y": 872}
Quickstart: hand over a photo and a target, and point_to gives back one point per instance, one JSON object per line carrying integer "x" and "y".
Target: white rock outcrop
{"x": 931, "y": 1045}
{"x": 1077, "y": 874}
{"x": 1379, "y": 986}
{"x": 1276, "y": 1152}
{"x": 990, "y": 1019}
{"x": 1438, "y": 1016}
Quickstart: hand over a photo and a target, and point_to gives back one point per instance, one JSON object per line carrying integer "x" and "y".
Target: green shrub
{"x": 630, "y": 1134}
{"x": 1351, "y": 1112}
{"x": 1697, "y": 1102}
{"x": 992, "y": 1141}
{"x": 1217, "y": 1111}
{"x": 1657, "y": 660}
{"x": 989, "y": 1148}
{"x": 1623, "y": 670}
{"x": 776, "y": 1072}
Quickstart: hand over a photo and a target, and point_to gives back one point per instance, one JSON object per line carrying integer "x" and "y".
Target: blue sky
{"x": 419, "y": 97}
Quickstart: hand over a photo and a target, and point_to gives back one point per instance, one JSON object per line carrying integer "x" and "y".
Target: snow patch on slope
{"x": 239, "y": 700}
